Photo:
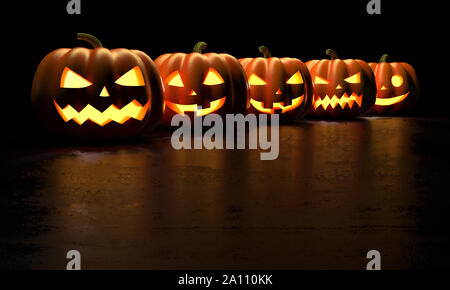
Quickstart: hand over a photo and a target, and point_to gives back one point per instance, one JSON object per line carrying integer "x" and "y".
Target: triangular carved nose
{"x": 104, "y": 92}
{"x": 192, "y": 93}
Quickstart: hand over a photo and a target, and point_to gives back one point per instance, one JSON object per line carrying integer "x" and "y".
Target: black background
{"x": 408, "y": 31}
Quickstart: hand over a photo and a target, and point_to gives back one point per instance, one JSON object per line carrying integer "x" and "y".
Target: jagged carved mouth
{"x": 133, "y": 110}
{"x": 343, "y": 101}
{"x": 181, "y": 109}
{"x": 390, "y": 101}
{"x": 277, "y": 105}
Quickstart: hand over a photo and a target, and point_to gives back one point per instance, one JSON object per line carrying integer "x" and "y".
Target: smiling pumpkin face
{"x": 97, "y": 93}
{"x": 397, "y": 87}
{"x": 214, "y": 82}
{"x": 278, "y": 85}
{"x": 342, "y": 88}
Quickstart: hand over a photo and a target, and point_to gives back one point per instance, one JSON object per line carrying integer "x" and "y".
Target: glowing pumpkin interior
{"x": 72, "y": 80}
{"x": 339, "y": 96}
{"x": 212, "y": 78}
{"x": 295, "y": 79}
{"x": 396, "y": 81}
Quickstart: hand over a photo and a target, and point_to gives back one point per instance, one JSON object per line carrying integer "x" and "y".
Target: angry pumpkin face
{"x": 278, "y": 85}
{"x": 74, "y": 102}
{"x": 214, "y": 82}
{"x": 342, "y": 88}
{"x": 397, "y": 87}
{"x": 97, "y": 92}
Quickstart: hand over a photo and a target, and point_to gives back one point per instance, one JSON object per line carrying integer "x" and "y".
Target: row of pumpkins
{"x": 117, "y": 93}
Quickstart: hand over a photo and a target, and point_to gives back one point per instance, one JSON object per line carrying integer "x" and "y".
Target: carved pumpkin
{"x": 278, "y": 85}
{"x": 216, "y": 82}
{"x": 342, "y": 88}
{"x": 397, "y": 87}
{"x": 97, "y": 93}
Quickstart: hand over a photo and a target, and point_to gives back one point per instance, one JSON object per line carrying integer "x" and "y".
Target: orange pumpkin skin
{"x": 229, "y": 95}
{"x": 278, "y": 90}
{"x": 101, "y": 67}
{"x": 342, "y": 88}
{"x": 397, "y": 87}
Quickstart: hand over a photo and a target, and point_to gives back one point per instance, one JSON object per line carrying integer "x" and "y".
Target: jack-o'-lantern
{"x": 215, "y": 82}
{"x": 278, "y": 85}
{"x": 97, "y": 93}
{"x": 342, "y": 88}
{"x": 397, "y": 87}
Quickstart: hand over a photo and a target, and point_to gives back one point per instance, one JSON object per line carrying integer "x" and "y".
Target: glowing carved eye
{"x": 132, "y": 78}
{"x": 295, "y": 79}
{"x": 174, "y": 79}
{"x": 256, "y": 80}
{"x": 213, "y": 78}
{"x": 354, "y": 79}
{"x": 72, "y": 80}
{"x": 397, "y": 80}
{"x": 319, "y": 80}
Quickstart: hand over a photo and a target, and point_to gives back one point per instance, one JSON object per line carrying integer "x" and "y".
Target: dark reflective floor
{"x": 337, "y": 190}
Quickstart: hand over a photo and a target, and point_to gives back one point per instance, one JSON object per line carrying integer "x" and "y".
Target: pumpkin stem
{"x": 90, "y": 38}
{"x": 384, "y": 57}
{"x": 332, "y": 53}
{"x": 199, "y": 47}
{"x": 265, "y": 51}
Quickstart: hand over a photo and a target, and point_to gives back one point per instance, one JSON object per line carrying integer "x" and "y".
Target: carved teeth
{"x": 133, "y": 110}
{"x": 343, "y": 101}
